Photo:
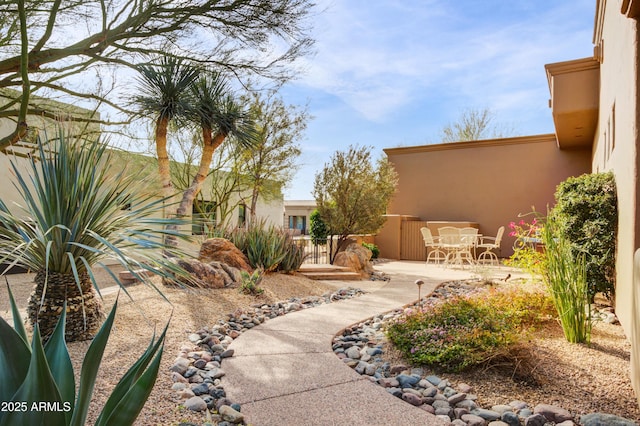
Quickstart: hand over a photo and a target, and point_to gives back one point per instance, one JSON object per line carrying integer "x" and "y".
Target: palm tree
{"x": 162, "y": 94}
{"x": 219, "y": 116}
{"x": 76, "y": 213}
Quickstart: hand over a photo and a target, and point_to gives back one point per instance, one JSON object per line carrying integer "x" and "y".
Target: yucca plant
{"x": 38, "y": 385}
{"x": 79, "y": 209}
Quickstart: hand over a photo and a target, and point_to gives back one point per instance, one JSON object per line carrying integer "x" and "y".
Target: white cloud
{"x": 379, "y": 57}
{"x": 389, "y": 72}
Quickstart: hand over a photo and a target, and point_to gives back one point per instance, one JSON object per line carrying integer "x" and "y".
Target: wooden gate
{"x": 411, "y": 242}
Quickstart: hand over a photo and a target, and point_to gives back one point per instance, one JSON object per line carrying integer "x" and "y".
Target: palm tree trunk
{"x": 84, "y": 309}
{"x": 165, "y": 177}
{"x": 163, "y": 157}
{"x": 209, "y": 146}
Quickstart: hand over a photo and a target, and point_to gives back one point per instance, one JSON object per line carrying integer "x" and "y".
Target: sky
{"x": 389, "y": 73}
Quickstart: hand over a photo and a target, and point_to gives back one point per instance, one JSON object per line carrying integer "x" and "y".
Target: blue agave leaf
{"x": 60, "y": 364}
{"x": 14, "y": 355}
{"x": 39, "y": 387}
{"x": 89, "y": 372}
{"x": 131, "y": 393}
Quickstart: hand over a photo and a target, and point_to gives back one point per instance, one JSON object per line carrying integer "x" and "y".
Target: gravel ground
{"x": 579, "y": 378}
{"x": 188, "y": 309}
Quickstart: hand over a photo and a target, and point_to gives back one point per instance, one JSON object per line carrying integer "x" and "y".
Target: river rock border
{"x": 197, "y": 370}
{"x": 361, "y": 347}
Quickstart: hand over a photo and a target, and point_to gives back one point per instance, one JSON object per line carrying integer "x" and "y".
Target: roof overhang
{"x": 631, "y": 8}
{"x": 575, "y": 96}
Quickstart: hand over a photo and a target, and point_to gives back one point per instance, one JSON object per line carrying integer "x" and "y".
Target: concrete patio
{"x": 285, "y": 372}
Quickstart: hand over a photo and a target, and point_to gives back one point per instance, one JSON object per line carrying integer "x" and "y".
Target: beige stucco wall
{"x": 298, "y": 208}
{"x": 489, "y": 182}
{"x": 616, "y": 148}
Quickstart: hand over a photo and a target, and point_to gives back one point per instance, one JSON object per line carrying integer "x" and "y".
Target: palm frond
{"x": 162, "y": 88}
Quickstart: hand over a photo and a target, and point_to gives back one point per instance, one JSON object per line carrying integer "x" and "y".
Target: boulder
{"x": 223, "y": 251}
{"x": 356, "y": 257}
{"x": 200, "y": 275}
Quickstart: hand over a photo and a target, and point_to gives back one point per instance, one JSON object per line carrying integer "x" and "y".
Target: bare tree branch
{"x": 55, "y": 45}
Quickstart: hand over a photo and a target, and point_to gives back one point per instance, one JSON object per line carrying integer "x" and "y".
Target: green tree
{"x": 270, "y": 164}
{"x": 317, "y": 228}
{"x": 472, "y": 125}
{"x": 161, "y": 96}
{"x": 220, "y": 116}
{"x": 224, "y": 181}
{"x": 175, "y": 90}
{"x": 352, "y": 193}
{"x": 73, "y": 50}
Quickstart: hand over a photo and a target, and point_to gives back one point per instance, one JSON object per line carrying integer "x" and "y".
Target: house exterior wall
{"x": 298, "y": 209}
{"x": 615, "y": 149}
{"x": 271, "y": 212}
{"x": 489, "y": 182}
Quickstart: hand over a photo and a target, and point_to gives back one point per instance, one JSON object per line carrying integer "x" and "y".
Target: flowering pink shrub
{"x": 526, "y": 254}
{"x": 524, "y": 229}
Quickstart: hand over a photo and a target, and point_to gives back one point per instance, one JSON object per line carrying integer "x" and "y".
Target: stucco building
{"x": 297, "y": 215}
{"x": 595, "y": 104}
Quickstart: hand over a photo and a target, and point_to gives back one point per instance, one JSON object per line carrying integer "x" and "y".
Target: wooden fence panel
{"x": 411, "y": 242}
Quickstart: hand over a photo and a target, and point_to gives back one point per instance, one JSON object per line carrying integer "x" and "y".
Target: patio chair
{"x": 432, "y": 245}
{"x": 469, "y": 239}
{"x": 451, "y": 243}
{"x": 490, "y": 244}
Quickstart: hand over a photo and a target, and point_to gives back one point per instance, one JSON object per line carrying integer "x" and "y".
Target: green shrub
{"x": 318, "y": 229}
{"x": 465, "y": 331}
{"x": 250, "y": 282}
{"x": 566, "y": 279}
{"x": 586, "y": 213}
{"x": 269, "y": 248}
{"x": 294, "y": 257}
{"x": 525, "y": 254}
{"x": 375, "y": 251}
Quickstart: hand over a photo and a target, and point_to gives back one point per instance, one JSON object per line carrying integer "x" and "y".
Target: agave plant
{"x": 38, "y": 385}
{"x": 77, "y": 212}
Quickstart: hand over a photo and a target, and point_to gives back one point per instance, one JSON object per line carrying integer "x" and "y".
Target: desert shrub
{"x": 465, "y": 331}
{"x": 268, "y": 247}
{"x": 375, "y": 251}
{"x": 566, "y": 279}
{"x": 250, "y": 282}
{"x": 587, "y": 214}
{"x": 525, "y": 255}
{"x": 294, "y": 257}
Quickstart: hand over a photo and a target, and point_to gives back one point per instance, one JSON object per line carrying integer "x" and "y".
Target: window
{"x": 299, "y": 223}
{"x": 203, "y": 217}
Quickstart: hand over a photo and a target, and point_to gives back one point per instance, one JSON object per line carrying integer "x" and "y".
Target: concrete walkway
{"x": 284, "y": 371}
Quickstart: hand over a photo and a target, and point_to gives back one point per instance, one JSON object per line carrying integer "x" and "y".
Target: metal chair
{"x": 469, "y": 239}
{"x": 431, "y": 243}
{"x": 490, "y": 244}
{"x": 450, "y": 242}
